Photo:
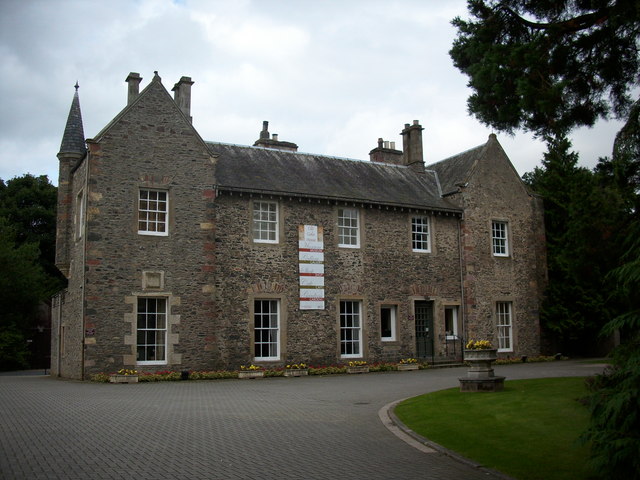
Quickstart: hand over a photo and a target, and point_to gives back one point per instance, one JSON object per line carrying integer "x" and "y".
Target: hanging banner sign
{"x": 311, "y": 266}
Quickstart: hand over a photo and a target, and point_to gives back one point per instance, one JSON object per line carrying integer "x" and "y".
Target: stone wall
{"x": 151, "y": 146}
{"x": 383, "y": 271}
{"x": 495, "y": 192}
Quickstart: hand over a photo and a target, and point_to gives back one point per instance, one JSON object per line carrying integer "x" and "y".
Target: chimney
{"x": 386, "y": 152}
{"x": 265, "y": 130}
{"x": 182, "y": 95}
{"x": 268, "y": 141}
{"x": 412, "y": 146}
{"x": 133, "y": 80}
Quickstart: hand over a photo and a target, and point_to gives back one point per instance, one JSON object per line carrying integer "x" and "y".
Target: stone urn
{"x": 481, "y": 362}
{"x": 480, "y": 376}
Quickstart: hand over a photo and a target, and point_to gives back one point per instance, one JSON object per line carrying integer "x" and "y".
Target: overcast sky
{"x": 330, "y": 75}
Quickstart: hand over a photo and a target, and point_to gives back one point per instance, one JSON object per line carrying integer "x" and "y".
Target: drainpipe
{"x": 84, "y": 260}
{"x": 463, "y": 304}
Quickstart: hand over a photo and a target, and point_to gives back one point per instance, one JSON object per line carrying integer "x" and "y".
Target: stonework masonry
{"x": 212, "y": 274}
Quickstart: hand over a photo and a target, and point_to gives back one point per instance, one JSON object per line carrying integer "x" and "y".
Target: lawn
{"x": 528, "y": 431}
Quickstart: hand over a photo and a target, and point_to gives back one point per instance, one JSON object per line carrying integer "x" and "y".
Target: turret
{"x": 72, "y": 151}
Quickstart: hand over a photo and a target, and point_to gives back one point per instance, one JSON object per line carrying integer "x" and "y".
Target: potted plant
{"x": 124, "y": 375}
{"x": 296, "y": 370}
{"x": 358, "y": 366}
{"x": 251, "y": 371}
{"x": 480, "y": 352}
{"x": 408, "y": 364}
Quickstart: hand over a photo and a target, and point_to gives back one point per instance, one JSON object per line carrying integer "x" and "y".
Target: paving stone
{"x": 275, "y": 428}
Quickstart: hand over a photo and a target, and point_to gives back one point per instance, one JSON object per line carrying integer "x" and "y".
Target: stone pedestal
{"x": 296, "y": 372}
{"x": 480, "y": 376}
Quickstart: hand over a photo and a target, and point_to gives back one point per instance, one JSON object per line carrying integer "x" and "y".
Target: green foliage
{"x": 614, "y": 430}
{"x": 548, "y": 66}
{"x": 586, "y": 218}
{"x": 528, "y": 431}
{"x": 24, "y": 285}
{"x": 29, "y": 204}
{"x": 13, "y": 349}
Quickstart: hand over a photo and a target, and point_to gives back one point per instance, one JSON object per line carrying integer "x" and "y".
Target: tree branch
{"x": 571, "y": 25}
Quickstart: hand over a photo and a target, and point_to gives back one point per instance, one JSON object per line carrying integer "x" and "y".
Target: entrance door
{"x": 424, "y": 329}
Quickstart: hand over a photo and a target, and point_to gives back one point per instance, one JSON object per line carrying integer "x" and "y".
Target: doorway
{"x": 424, "y": 328}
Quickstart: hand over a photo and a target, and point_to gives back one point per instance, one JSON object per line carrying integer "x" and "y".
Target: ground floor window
{"x": 266, "y": 317}
{"x": 451, "y": 322}
{"x": 152, "y": 331}
{"x": 350, "y": 328}
{"x": 505, "y": 326}
{"x": 388, "y": 323}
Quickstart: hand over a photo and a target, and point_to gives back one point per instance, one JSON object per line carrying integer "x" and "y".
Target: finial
{"x": 76, "y": 86}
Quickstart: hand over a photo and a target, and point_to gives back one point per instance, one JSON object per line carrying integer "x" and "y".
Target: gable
{"x": 153, "y": 101}
{"x": 486, "y": 165}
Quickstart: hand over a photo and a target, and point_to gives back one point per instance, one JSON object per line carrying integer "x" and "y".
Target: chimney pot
{"x": 416, "y": 122}
{"x": 275, "y": 137}
{"x": 386, "y": 144}
{"x": 392, "y": 145}
{"x": 380, "y": 141}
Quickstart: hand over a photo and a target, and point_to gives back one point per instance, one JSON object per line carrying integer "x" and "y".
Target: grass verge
{"x": 528, "y": 431}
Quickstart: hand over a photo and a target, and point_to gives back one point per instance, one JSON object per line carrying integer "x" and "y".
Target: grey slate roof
{"x": 457, "y": 169}
{"x": 276, "y": 172}
{"x": 73, "y": 138}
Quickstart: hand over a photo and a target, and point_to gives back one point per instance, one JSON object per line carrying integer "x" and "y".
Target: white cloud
{"x": 332, "y": 76}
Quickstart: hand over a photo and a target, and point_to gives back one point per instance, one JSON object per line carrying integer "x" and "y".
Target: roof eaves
{"x": 335, "y": 199}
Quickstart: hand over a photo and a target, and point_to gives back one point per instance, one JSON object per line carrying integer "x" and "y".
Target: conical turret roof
{"x": 73, "y": 140}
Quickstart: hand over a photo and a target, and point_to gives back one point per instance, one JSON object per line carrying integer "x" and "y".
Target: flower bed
{"x": 170, "y": 375}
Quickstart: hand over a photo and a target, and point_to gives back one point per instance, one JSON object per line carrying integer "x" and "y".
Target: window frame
{"x": 393, "y": 315}
{"x": 501, "y": 315}
{"x": 165, "y": 345}
{"x": 278, "y": 330}
{"x": 344, "y": 341}
{"x": 414, "y": 234}
{"x": 255, "y": 222}
{"x": 343, "y": 234}
{"x": 148, "y": 211}
{"x": 500, "y": 244}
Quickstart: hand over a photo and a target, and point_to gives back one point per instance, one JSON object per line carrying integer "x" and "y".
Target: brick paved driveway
{"x": 274, "y": 428}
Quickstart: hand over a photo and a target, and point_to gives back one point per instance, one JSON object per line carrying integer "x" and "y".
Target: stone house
{"x": 182, "y": 253}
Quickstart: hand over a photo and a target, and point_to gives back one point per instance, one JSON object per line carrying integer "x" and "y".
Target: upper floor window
{"x": 153, "y": 212}
{"x": 420, "y": 234}
{"x": 348, "y": 228}
{"x": 500, "y": 238}
{"x": 504, "y": 322}
{"x": 265, "y": 222}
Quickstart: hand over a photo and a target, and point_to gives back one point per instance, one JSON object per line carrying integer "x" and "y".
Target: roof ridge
{"x": 309, "y": 154}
